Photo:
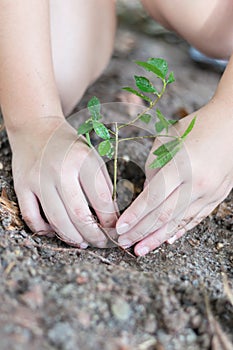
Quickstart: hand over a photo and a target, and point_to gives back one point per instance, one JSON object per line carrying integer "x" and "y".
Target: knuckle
{"x": 81, "y": 215}
{"x": 203, "y": 184}
{"x": 105, "y": 197}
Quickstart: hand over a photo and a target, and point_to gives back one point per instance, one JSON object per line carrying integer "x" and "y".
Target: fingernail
{"x": 123, "y": 228}
{"x": 125, "y": 243}
{"x": 83, "y": 245}
{"x": 172, "y": 239}
{"x": 143, "y": 251}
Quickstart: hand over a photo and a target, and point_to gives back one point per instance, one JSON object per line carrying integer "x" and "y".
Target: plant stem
{"x": 146, "y": 137}
{"x": 114, "y": 193}
{"x": 89, "y": 140}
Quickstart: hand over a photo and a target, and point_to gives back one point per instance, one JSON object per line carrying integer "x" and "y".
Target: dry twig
{"x": 227, "y": 289}
{"x": 67, "y": 250}
{"x": 107, "y": 235}
{"x": 220, "y": 340}
{"x": 8, "y": 207}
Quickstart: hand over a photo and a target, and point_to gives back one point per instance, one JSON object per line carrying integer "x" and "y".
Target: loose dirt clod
{"x": 9, "y": 213}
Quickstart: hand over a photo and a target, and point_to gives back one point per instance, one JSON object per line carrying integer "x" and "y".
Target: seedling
{"x": 148, "y": 92}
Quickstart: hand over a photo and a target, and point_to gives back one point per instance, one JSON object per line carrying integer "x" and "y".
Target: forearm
{"x": 28, "y": 90}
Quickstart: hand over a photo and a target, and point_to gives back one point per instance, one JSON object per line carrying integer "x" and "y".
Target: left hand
{"x": 186, "y": 190}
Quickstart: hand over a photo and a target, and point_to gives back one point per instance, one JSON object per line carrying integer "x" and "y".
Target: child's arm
{"x": 48, "y": 162}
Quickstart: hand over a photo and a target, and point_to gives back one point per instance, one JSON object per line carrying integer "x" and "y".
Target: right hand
{"x": 54, "y": 170}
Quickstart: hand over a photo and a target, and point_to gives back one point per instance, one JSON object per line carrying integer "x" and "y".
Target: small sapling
{"x": 146, "y": 90}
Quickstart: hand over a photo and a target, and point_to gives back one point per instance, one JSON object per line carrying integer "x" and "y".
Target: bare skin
{"x": 50, "y": 51}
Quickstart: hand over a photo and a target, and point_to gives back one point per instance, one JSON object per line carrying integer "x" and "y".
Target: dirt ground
{"x": 178, "y": 297}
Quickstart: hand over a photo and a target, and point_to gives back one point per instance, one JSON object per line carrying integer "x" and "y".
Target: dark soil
{"x": 176, "y": 298}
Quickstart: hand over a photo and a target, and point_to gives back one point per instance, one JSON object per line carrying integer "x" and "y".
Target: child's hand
{"x": 55, "y": 170}
{"x": 182, "y": 193}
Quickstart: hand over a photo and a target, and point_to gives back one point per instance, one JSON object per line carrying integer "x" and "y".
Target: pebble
{"x": 150, "y": 324}
{"x": 121, "y": 310}
{"x": 219, "y": 245}
{"x": 1, "y": 166}
{"x": 191, "y": 336}
{"x": 67, "y": 289}
{"x": 61, "y": 335}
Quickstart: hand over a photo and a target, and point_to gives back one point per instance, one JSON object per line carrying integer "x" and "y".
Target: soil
{"x": 178, "y": 297}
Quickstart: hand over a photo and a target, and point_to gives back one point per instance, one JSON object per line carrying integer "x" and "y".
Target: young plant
{"x": 148, "y": 92}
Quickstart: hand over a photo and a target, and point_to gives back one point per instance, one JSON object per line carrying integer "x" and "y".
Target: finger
{"x": 79, "y": 213}
{"x": 58, "y": 218}
{"x": 31, "y": 213}
{"x": 194, "y": 221}
{"x": 152, "y": 222}
{"x": 155, "y": 193}
{"x": 156, "y": 238}
{"x": 98, "y": 189}
{"x": 173, "y": 207}
{"x": 176, "y": 228}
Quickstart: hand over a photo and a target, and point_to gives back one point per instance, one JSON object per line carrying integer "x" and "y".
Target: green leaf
{"x": 150, "y": 68}
{"x": 144, "y": 84}
{"x": 163, "y": 123}
{"x": 167, "y": 147}
{"x": 145, "y": 118}
{"x": 172, "y": 122}
{"x": 85, "y": 127}
{"x": 159, "y": 127}
{"x": 104, "y": 147}
{"x": 171, "y": 78}
{"x": 137, "y": 93}
{"x": 101, "y": 130}
{"x": 110, "y": 153}
{"x": 94, "y": 108}
{"x": 189, "y": 128}
{"x": 160, "y": 64}
{"x": 165, "y": 153}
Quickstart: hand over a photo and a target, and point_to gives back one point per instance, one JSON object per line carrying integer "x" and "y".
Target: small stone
{"x": 61, "y": 334}
{"x": 67, "y": 289}
{"x": 150, "y": 324}
{"x": 82, "y": 279}
{"x": 126, "y": 158}
{"x": 121, "y": 309}
{"x": 196, "y": 321}
{"x": 219, "y": 245}
{"x": 84, "y": 318}
{"x": 191, "y": 336}
{"x": 1, "y": 166}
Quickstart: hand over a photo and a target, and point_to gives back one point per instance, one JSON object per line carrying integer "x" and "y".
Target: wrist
{"x": 33, "y": 131}
{"x": 18, "y": 118}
